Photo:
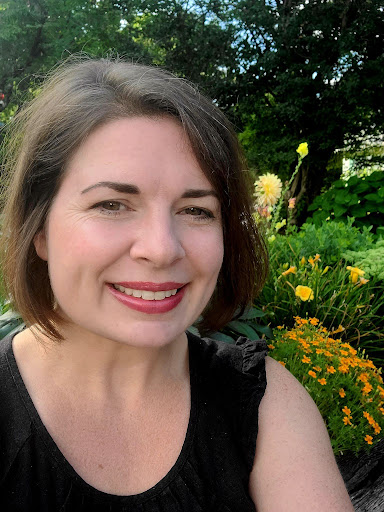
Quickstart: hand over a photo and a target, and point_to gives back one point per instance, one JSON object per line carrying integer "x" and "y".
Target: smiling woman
{"x": 127, "y": 218}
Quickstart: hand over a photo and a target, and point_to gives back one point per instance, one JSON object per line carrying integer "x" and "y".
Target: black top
{"x": 210, "y": 474}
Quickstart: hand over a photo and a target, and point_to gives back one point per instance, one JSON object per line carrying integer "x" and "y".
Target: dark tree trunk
{"x": 364, "y": 478}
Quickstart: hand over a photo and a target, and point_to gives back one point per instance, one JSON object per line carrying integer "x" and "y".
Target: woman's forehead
{"x": 143, "y": 152}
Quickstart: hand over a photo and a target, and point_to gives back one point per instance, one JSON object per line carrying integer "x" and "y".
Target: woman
{"x": 127, "y": 217}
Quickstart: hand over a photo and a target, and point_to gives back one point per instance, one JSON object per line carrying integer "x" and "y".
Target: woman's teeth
{"x": 145, "y": 294}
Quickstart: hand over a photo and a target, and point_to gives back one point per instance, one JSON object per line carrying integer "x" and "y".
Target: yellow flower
{"x": 346, "y": 411}
{"x": 291, "y": 270}
{"x": 355, "y": 274}
{"x": 280, "y": 327}
{"x": 268, "y": 189}
{"x": 302, "y": 149}
{"x": 322, "y": 381}
{"x": 312, "y": 374}
{"x": 304, "y": 293}
{"x": 325, "y": 270}
{"x": 368, "y": 439}
{"x": 280, "y": 224}
{"x": 342, "y": 393}
{"x": 271, "y": 238}
{"x": 302, "y": 261}
{"x": 305, "y": 360}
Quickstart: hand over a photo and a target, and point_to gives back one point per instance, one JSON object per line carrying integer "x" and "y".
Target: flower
{"x": 282, "y": 363}
{"x": 271, "y": 238}
{"x": 304, "y": 292}
{"x": 305, "y": 359}
{"x": 312, "y": 374}
{"x": 271, "y": 347}
{"x": 330, "y": 369}
{"x": 368, "y": 439}
{"x": 342, "y": 393}
{"x": 322, "y": 381}
{"x": 302, "y": 261}
{"x": 355, "y": 274}
{"x": 264, "y": 211}
{"x": 347, "y": 420}
{"x": 291, "y": 203}
{"x": 325, "y": 270}
{"x": 268, "y": 189}
{"x": 346, "y": 411}
{"x": 363, "y": 281}
{"x": 314, "y": 321}
{"x": 312, "y": 261}
{"x": 291, "y": 270}
{"x": 302, "y": 149}
{"x": 280, "y": 224}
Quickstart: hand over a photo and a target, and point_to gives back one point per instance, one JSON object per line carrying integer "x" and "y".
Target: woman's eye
{"x": 110, "y": 207}
{"x": 199, "y": 212}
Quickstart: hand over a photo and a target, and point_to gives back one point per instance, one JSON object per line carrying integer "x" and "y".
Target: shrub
{"x": 336, "y": 294}
{"x": 330, "y": 239}
{"x": 371, "y": 260}
{"x": 345, "y": 385}
{"x": 360, "y": 198}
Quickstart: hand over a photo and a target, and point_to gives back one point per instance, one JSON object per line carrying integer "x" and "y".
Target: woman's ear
{"x": 40, "y": 243}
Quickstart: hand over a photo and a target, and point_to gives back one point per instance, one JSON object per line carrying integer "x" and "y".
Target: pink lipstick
{"x": 149, "y": 306}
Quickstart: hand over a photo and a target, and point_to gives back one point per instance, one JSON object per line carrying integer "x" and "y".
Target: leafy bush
{"x": 371, "y": 260}
{"x": 330, "y": 239}
{"x": 336, "y": 294}
{"x": 360, "y": 198}
{"x": 346, "y": 386}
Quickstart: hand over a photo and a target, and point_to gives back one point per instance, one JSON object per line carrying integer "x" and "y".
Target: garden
{"x": 302, "y": 83}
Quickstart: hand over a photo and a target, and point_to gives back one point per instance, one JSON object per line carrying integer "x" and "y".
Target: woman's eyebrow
{"x": 127, "y": 188}
{"x": 195, "y": 193}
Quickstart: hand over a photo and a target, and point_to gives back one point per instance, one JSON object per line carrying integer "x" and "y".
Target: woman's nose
{"x": 158, "y": 241}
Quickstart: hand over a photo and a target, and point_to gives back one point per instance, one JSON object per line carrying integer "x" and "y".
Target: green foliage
{"x": 246, "y": 325}
{"x": 330, "y": 239}
{"x": 345, "y": 385}
{"x": 336, "y": 300}
{"x": 360, "y": 198}
{"x": 371, "y": 261}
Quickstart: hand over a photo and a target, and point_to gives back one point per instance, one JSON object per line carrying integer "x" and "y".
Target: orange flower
{"x": 317, "y": 368}
{"x": 271, "y": 347}
{"x": 314, "y": 321}
{"x": 306, "y": 359}
{"x": 312, "y": 374}
{"x": 291, "y": 270}
{"x": 346, "y": 411}
{"x": 367, "y": 388}
{"x": 342, "y": 393}
{"x": 282, "y": 363}
{"x": 330, "y": 369}
{"x": 322, "y": 381}
{"x": 368, "y": 439}
{"x": 347, "y": 420}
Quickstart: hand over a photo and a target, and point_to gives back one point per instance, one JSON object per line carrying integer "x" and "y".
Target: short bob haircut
{"x": 79, "y": 96}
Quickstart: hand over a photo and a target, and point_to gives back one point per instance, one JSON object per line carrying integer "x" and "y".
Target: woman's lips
{"x": 153, "y": 303}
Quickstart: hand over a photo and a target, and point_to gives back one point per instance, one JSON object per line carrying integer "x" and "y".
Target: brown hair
{"x": 79, "y": 96}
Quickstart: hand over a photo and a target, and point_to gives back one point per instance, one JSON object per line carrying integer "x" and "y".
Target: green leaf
{"x": 243, "y": 328}
{"x": 252, "y": 313}
{"x": 339, "y": 210}
{"x": 373, "y": 197}
{"x": 358, "y": 211}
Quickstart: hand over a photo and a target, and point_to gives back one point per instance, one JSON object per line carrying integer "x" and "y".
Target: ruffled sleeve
{"x": 252, "y": 391}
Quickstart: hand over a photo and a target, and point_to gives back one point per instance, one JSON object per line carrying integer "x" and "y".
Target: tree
{"x": 313, "y": 71}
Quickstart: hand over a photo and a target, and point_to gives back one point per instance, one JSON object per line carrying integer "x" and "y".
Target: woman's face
{"x": 133, "y": 240}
